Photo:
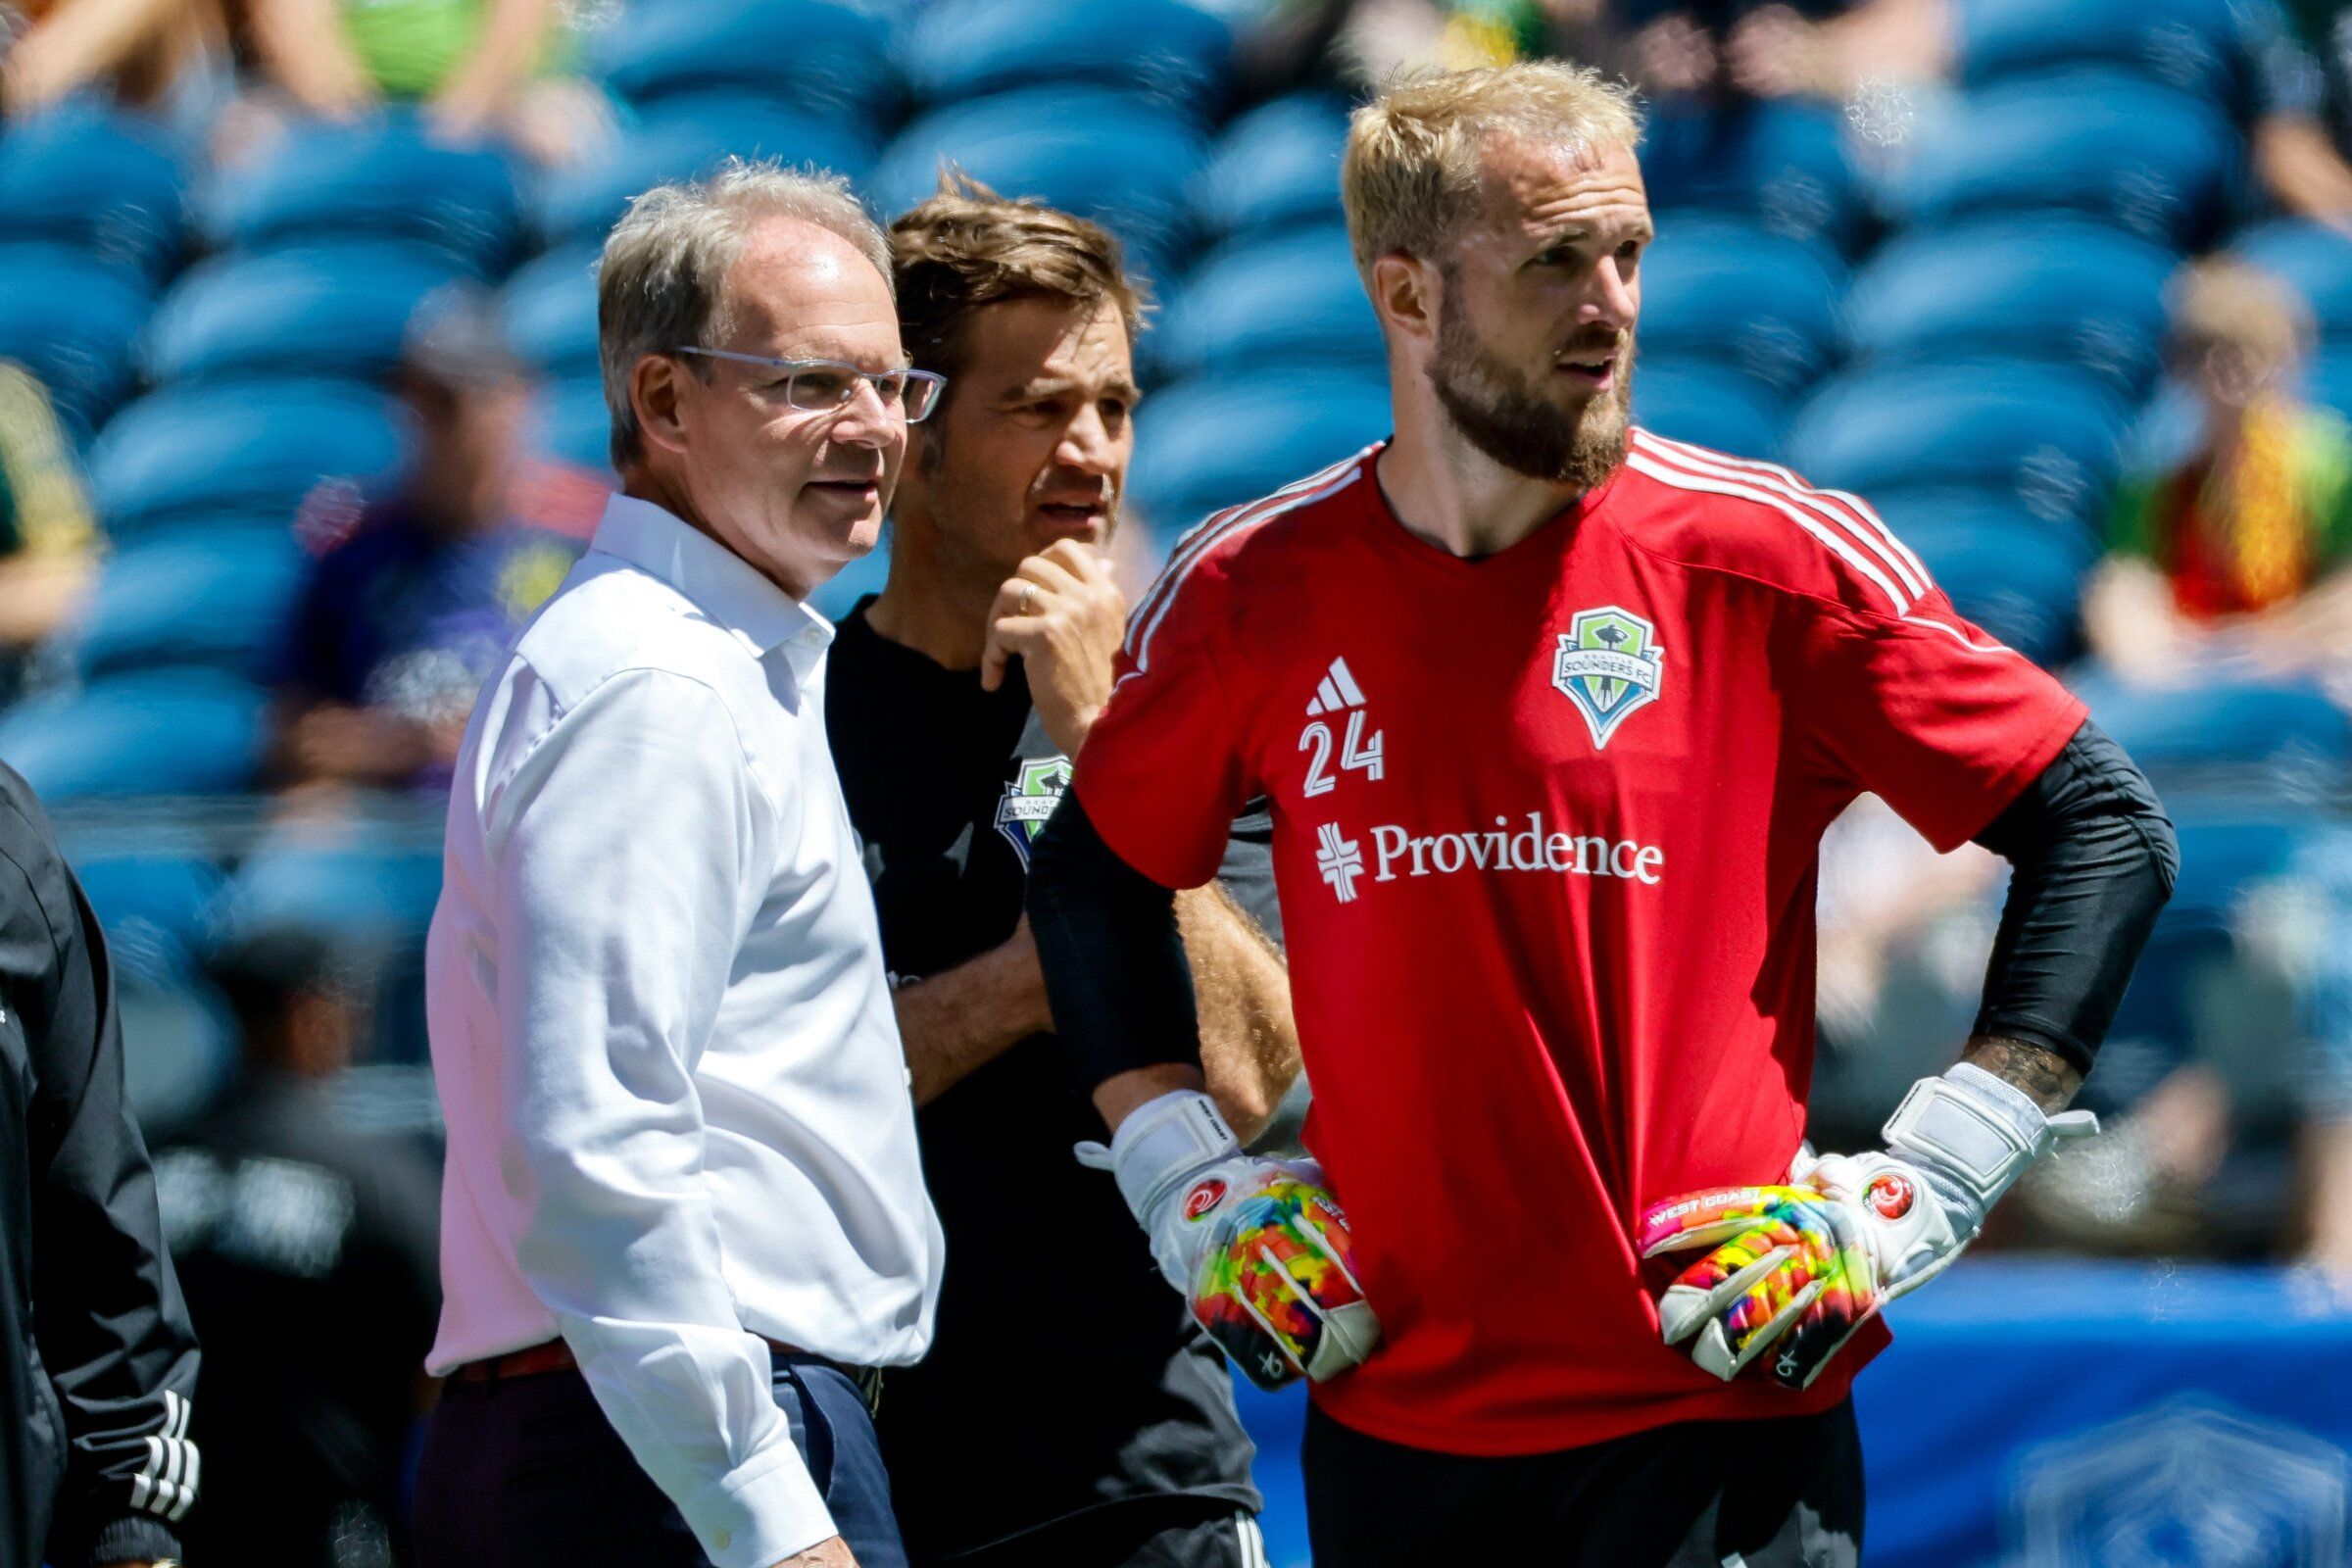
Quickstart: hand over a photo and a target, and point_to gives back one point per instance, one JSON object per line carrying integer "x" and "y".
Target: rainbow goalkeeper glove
{"x": 1797, "y": 1268}
{"x": 1259, "y": 1247}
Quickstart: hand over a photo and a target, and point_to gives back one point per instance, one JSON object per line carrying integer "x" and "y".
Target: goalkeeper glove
{"x": 1259, "y": 1247}
{"x": 1796, "y": 1269}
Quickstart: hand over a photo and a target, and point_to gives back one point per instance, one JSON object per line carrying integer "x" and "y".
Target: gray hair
{"x": 661, "y": 281}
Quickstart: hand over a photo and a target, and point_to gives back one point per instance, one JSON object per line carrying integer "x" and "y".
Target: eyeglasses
{"x": 824, "y": 386}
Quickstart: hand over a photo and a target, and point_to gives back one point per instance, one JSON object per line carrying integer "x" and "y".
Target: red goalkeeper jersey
{"x": 1545, "y": 837}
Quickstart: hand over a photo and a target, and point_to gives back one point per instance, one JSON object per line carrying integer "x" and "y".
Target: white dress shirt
{"x": 677, "y": 1104}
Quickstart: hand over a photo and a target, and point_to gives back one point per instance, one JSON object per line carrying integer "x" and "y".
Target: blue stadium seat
{"x": 1263, "y": 307}
{"x": 72, "y": 325}
{"x": 2220, "y": 732}
{"x": 1782, "y": 161}
{"x": 194, "y": 594}
{"x": 385, "y": 177}
{"x": 817, "y": 54}
{"x": 110, "y": 185}
{"x": 839, "y": 594}
{"x": 573, "y": 422}
{"x": 315, "y": 877}
{"x": 549, "y": 310}
{"x": 2013, "y": 574}
{"x": 1118, "y": 158}
{"x": 2329, "y": 381}
{"x": 1217, "y": 442}
{"x": 1276, "y": 167}
{"x": 2101, "y": 142}
{"x": 2316, "y": 259}
{"x": 170, "y": 895}
{"x": 2055, "y": 288}
{"x": 336, "y": 309}
{"x": 2044, "y": 435}
{"x": 1708, "y": 405}
{"x": 682, "y": 138}
{"x": 146, "y": 732}
{"x": 1720, "y": 287}
{"x": 2182, "y": 44}
{"x": 254, "y": 449}
{"x": 1164, "y": 49}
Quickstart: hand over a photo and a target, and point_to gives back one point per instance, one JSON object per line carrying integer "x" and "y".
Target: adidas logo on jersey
{"x": 1338, "y": 691}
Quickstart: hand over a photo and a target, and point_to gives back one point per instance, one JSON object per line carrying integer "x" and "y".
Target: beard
{"x": 1505, "y": 415}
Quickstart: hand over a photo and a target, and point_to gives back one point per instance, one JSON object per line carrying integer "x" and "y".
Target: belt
{"x": 555, "y": 1356}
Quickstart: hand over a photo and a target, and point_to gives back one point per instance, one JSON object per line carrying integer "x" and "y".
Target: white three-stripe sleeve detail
{"x": 1849, "y": 515}
{"x": 142, "y": 1484}
{"x": 1139, "y": 639}
{"x": 187, "y": 1487}
{"x": 1837, "y": 542}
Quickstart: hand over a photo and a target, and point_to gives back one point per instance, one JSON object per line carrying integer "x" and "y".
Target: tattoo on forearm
{"x": 2038, "y": 1071}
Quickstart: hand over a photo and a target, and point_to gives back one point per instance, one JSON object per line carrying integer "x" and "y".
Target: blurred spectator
{"x": 2232, "y": 553}
{"x": 416, "y": 594}
{"x": 308, "y": 1250}
{"x": 48, "y": 541}
{"x": 480, "y": 68}
{"x": 2293, "y": 154}
{"x": 147, "y": 54}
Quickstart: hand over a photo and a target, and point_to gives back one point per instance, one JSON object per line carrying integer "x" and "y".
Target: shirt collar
{"x": 720, "y": 583}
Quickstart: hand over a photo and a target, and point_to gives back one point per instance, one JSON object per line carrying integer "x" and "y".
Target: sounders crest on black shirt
{"x": 1029, "y": 799}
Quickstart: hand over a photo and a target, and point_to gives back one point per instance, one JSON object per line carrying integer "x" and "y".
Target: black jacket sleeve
{"x": 109, "y": 1324}
{"x": 1116, "y": 977}
{"x": 2092, "y": 859}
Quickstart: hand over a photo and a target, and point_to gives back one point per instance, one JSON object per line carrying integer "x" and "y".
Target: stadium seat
{"x": 316, "y": 877}
{"x": 2183, "y": 44}
{"x": 2045, "y": 436}
{"x": 1259, "y": 306}
{"x": 2011, "y": 573}
{"x": 818, "y": 55}
{"x": 2074, "y": 292}
{"x": 1708, "y": 405}
{"x": 384, "y": 179}
{"x": 1276, "y": 167}
{"x": 1177, "y": 53}
{"x": 682, "y": 138}
{"x": 573, "y": 422}
{"x": 192, "y": 595}
{"x": 1121, "y": 159}
{"x": 109, "y": 185}
{"x": 72, "y": 325}
{"x": 2221, "y": 734}
{"x": 170, "y": 895}
{"x": 1218, "y": 442}
{"x": 549, "y": 310}
{"x": 2328, "y": 381}
{"x": 253, "y": 450}
{"x": 1721, "y": 287}
{"x": 839, "y": 594}
{"x": 1784, "y": 163}
{"x": 2104, "y": 143}
{"x": 146, "y": 732}
{"x": 330, "y": 309}
{"x": 2316, "y": 259}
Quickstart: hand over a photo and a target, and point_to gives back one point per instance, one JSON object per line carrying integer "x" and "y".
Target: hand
{"x": 1797, "y": 1267}
{"x": 1064, "y": 615}
{"x": 831, "y": 1552}
{"x": 1259, "y": 1247}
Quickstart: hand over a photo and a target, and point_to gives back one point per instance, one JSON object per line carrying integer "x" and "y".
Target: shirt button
{"x": 720, "y": 1539}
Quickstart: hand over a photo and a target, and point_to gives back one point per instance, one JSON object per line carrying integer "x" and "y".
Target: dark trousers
{"x": 1784, "y": 1493}
{"x": 526, "y": 1473}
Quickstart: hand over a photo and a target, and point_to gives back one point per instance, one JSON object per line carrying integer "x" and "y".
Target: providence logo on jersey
{"x": 1036, "y": 789}
{"x": 1398, "y": 851}
{"x": 1610, "y": 665}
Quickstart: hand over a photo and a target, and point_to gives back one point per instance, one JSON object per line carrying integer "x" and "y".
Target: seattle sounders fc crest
{"x": 1609, "y": 665}
{"x": 1036, "y": 789}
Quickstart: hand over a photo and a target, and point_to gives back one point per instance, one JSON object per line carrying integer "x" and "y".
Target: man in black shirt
{"x": 97, "y": 1362}
{"x": 1069, "y": 1411}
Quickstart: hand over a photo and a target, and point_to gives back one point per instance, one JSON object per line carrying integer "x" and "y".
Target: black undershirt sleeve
{"x": 2092, "y": 859}
{"x": 1116, "y": 977}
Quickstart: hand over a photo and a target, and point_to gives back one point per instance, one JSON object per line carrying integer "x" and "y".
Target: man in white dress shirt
{"x": 684, "y": 1219}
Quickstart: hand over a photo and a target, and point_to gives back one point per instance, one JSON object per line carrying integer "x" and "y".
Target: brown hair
{"x": 966, "y": 248}
{"x": 1409, "y": 180}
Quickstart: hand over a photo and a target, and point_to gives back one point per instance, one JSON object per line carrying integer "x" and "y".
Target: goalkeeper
{"x": 1551, "y": 713}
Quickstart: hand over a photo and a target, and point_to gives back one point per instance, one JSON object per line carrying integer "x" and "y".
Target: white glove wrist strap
{"x": 1162, "y": 1141}
{"x": 1976, "y": 1131}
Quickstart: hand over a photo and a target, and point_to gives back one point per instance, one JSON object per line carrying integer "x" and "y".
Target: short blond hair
{"x": 2224, "y": 303}
{"x": 661, "y": 282}
{"x": 1410, "y": 178}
